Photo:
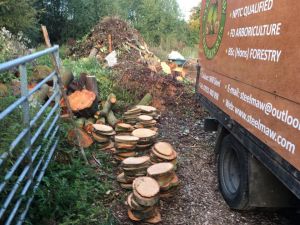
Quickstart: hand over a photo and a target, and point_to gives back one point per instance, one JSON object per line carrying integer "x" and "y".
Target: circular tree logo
{"x": 213, "y": 23}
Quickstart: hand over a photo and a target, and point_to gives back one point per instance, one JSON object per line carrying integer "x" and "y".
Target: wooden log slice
{"x": 121, "y": 178}
{"x": 156, "y": 218}
{"x": 132, "y": 217}
{"x": 164, "y": 148}
{"x": 108, "y": 147}
{"x": 144, "y": 133}
{"x": 145, "y": 118}
{"x": 124, "y": 127}
{"x": 100, "y": 138}
{"x": 173, "y": 183}
{"x": 160, "y": 169}
{"x": 125, "y": 147}
{"x": 133, "y": 204}
{"x": 126, "y": 154}
{"x": 146, "y": 187}
{"x": 135, "y": 161}
{"x": 140, "y": 172}
{"x": 126, "y": 139}
{"x": 168, "y": 158}
{"x": 144, "y": 214}
{"x": 83, "y": 103}
{"x": 100, "y": 128}
{"x": 145, "y": 108}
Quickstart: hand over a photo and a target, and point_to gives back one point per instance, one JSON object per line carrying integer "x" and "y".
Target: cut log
{"x": 111, "y": 99}
{"x": 83, "y": 103}
{"x": 40, "y": 72}
{"x": 100, "y": 138}
{"x": 147, "y": 187}
{"x": 133, "y": 204}
{"x": 102, "y": 129}
{"x": 92, "y": 85}
{"x": 40, "y": 96}
{"x": 146, "y": 100}
{"x": 111, "y": 118}
{"x": 80, "y": 138}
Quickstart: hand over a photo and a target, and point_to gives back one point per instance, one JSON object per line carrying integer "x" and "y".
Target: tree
{"x": 194, "y": 24}
{"x": 17, "y": 15}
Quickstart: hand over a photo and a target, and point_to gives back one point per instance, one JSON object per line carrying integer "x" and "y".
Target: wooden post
{"x": 110, "y": 43}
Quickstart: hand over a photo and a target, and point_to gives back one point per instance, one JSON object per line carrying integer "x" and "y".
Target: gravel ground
{"x": 198, "y": 201}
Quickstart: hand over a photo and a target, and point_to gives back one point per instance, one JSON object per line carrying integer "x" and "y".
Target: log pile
{"x": 102, "y": 135}
{"x": 166, "y": 177}
{"x": 163, "y": 152}
{"x": 125, "y": 147}
{"x": 131, "y": 116}
{"x": 148, "y": 110}
{"x": 132, "y": 168}
{"x": 143, "y": 201}
{"x": 146, "y": 137}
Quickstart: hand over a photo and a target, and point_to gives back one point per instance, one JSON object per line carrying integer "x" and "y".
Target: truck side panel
{"x": 248, "y": 53}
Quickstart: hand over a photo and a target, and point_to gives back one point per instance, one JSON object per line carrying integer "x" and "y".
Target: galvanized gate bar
{"x": 28, "y": 164}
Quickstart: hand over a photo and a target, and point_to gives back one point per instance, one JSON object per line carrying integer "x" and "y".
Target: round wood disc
{"x": 143, "y": 133}
{"x": 146, "y": 108}
{"x": 168, "y": 158}
{"x": 145, "y": 118}
{"x": 80, "y": 100}
{"x": 156, "y": 218}
{"x": 124, "y": 125}
{"x": 146, "y": 186}
{"x": 160, "y": 168}
{"x": 126, "y": 138}
{"x": 100, "y": 138}
{"x": 103, "y": 128}
{"x": 132, "y": 217}
{"x": 136, "y": 161}
{"x": 164, "y": 148}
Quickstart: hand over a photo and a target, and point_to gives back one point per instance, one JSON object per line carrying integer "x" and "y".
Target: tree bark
{"x": 92, "y": 85}
{"x": 146, "y": 100}
{"x": 111, "y": 100}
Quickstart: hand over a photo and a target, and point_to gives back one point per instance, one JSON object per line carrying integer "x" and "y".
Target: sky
{"x": 186, "y": 6}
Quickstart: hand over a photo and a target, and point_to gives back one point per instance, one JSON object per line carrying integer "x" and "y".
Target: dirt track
{"x": 198, "y": 201}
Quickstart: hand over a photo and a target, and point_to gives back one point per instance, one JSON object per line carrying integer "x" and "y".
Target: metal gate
{"x": 24, "y": 162}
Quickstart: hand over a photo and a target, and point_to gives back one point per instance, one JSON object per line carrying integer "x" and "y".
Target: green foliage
{"x": 17, "y": 15}
{"x": 72, "y": 194}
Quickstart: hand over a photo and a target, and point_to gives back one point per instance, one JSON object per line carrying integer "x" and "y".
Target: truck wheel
{"x": 233, "y": 173}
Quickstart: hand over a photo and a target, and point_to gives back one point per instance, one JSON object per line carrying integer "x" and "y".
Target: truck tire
{"x": 233, "y": 173}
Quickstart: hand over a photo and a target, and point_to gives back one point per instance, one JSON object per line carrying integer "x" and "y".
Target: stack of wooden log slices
{"x": 166, "y": 177}
{"x": 102, "y": 135}
{"x": 143, "y": 201}
{"x": 132, "y": 168}
{"x": 146, "y": 137}
{"x": 146, "y": 122}
{"x": 163, "y": 152}
{"x": 148, "y": 110}
{"x": 125, "y": 146}
{"x": 131, "y": 116}
{"x": 124, "y": 129}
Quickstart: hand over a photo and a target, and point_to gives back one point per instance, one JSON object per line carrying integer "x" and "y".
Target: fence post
{"x": 26, "y": 113}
